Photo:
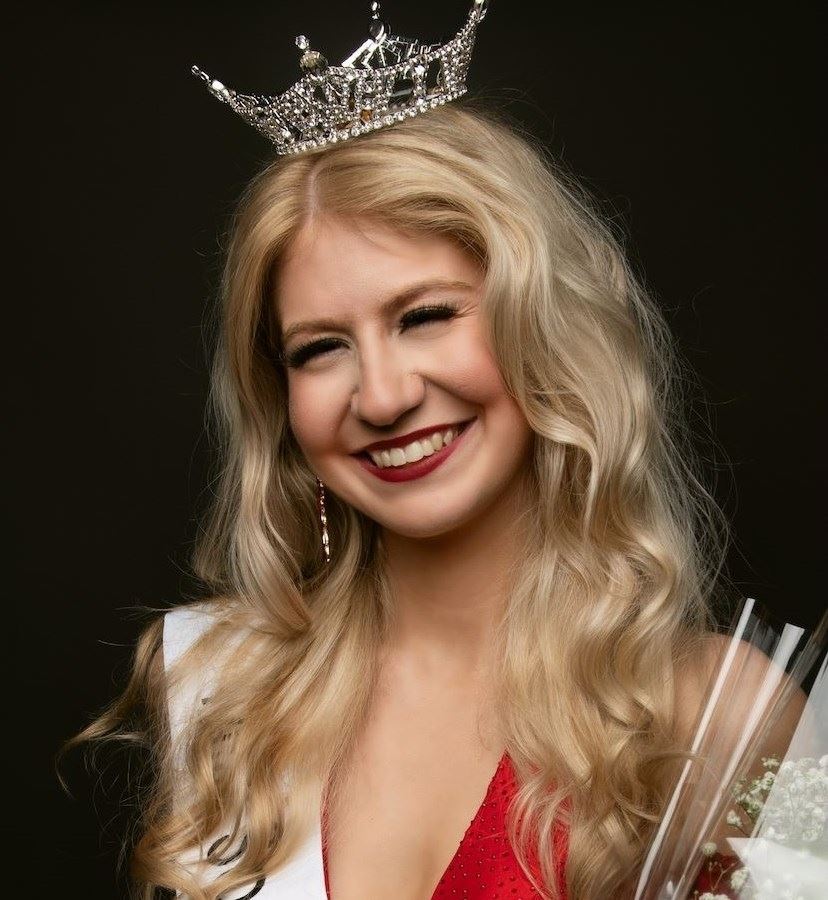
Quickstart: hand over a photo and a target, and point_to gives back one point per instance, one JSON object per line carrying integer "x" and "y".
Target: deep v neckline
{"x": 487, "y": 797}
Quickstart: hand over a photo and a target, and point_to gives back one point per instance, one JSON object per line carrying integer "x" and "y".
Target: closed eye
{"x": 305, "y": 352}
{"x": 422, "y": 315}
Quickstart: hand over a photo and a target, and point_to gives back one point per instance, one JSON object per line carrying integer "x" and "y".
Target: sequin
{"x": 484, "y": 867}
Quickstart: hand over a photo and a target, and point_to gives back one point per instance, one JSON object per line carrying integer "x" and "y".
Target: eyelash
{"x": 304, "y": 352}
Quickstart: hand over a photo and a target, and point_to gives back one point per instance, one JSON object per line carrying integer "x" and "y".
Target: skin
{"x": 430, "y": 746}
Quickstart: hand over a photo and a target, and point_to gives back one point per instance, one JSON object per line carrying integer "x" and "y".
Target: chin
{"x": 425, "y": 528}
{"x": 418, "y": 533}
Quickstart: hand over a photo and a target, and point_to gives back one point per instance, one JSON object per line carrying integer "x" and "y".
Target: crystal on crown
{"x": 385, "y": 80}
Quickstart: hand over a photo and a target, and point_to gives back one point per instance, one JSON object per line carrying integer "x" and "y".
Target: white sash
{"x": 302, "y": 878}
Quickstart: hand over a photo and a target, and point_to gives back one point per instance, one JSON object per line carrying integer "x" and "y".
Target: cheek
{"x": 476, "y": 371}
{"x": 311, "y": 414}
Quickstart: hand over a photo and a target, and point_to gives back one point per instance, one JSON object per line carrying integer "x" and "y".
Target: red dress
{"x": 484, "y": 867}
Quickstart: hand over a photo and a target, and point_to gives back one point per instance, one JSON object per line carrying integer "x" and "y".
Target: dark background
{"x": 695, "y": 127}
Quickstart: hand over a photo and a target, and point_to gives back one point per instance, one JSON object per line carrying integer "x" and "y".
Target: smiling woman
{"x": 429, "y": 336}
{"x": 399, "y": 370}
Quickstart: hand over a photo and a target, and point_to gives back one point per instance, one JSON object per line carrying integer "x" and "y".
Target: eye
{"x": 423, "y": 314}
{"x": 304, "y": 352}
{"x": 419, "y": 316}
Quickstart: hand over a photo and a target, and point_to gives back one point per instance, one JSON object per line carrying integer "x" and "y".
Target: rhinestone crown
{"x": 385, "y": 80}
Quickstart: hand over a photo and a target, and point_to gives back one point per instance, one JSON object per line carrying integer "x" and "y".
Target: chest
{"x": 400, "y": 840}
{"x": 407, "y": 796}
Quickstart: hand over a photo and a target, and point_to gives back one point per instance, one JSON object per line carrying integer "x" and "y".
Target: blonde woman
{"x": 458, "y": 571}
{"x": 458, "y": 562}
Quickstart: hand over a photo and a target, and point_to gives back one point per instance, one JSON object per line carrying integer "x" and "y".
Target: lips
{"x": 411, "y": 436}
{"x": 422, "y": 467}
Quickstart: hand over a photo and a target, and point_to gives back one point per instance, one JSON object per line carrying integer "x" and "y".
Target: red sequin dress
{"x": 484, "y": 867}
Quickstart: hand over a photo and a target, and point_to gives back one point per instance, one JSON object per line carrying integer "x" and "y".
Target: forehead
{"x": 340, "y": 266}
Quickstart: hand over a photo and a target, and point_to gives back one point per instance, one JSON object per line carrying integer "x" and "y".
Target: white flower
{"x": 709, "y": 848}
{"x": 797, "y": 805}
{"x": 733, "y": 819}
{"x": 767, "y": 780}
{"x": 738, "y": 878}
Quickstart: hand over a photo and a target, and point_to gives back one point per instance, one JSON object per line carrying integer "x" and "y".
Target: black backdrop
{"x": 695, "y": 128}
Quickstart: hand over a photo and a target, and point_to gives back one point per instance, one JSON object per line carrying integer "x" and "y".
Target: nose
{"x": 387, "y": 386}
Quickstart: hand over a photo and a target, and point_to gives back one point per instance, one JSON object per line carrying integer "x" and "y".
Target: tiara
{"x": 385, "y": 80}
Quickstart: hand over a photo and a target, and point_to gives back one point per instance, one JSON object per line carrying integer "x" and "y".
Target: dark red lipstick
{"x": 422, "y": 466}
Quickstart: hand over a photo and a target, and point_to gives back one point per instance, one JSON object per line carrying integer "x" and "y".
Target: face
{"x": 385, "y": 344}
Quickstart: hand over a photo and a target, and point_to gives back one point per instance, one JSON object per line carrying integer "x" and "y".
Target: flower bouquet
{"x": 747, "y": 816}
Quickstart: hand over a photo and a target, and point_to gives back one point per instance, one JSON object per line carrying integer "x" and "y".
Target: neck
{"x": 449, "y": 591}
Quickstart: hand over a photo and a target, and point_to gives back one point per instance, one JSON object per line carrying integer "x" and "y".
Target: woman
{"x": 508, "y": 632}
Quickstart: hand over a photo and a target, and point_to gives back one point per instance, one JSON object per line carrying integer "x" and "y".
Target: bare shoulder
{"x": 734, "y": 682}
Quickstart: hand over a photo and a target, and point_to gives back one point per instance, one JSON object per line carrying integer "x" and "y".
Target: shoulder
{"x": 184, "y": 626}
{"x": 198, "y": 640}
{"x": 725, "y": 683}
{"x": 710, "y": 651}
{"x": 721, "y": 655}
{"x": 214, "y": 625}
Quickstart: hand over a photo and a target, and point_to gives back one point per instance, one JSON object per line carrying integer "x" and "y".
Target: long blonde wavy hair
{"x": 612, "y": 592}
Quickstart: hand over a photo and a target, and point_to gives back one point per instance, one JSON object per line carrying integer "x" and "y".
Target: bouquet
{"x": 748, "y": 815}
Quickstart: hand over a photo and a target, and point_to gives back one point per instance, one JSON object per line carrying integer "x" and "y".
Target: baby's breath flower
{"x": 734, "y": 819}
{"x": 787, "y": 804}
{"x": 797, "y": 805}
{"x": 738, "y": 878}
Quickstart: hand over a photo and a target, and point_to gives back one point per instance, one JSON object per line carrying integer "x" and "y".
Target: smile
{"x": 416, "y": 459}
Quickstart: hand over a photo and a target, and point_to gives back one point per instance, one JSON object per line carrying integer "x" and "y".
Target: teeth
{"x": 400, "y": 456}
{"x": 414, "y": 451}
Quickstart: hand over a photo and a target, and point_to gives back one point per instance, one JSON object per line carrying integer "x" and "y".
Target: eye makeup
{"x": 420, "y": 315}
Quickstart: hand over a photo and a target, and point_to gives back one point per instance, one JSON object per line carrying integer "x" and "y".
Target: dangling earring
{"x": 320, "y": 500}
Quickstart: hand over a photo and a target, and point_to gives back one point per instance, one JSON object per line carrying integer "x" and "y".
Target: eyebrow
{"x": 391, "y": 305}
